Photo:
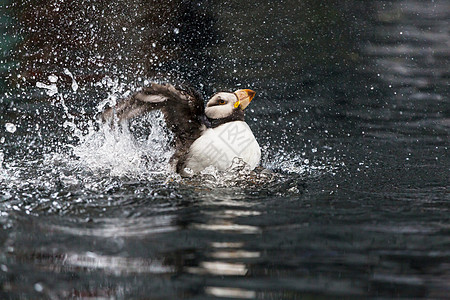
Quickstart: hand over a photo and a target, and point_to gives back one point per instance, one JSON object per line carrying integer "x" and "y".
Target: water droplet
{"x": 51, "y": 89}
{"x": 11, "y": 128}
{"x": 74, "y": 83}
{"x": 53, "y": 78}
{"x": 38, "y": 287}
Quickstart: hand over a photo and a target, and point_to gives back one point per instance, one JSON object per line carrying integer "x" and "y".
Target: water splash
{"x": 2, "y": 171}
{"x": 118, "y": 152}
{"x": 74, "y": 82}
{"x": 94, "y": 159}
{"x": 295, "y": 163}
{"x": 10, "y": 127}
{"x": 51, "y": 89}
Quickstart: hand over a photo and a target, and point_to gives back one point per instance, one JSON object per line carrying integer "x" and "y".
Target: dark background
{"x": 351, "y": 112}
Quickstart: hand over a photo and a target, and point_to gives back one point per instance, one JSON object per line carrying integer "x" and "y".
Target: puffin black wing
{"x": 183, "y": 111}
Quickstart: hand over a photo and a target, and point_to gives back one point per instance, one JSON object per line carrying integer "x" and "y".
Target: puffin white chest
{"x": 219, "y": 146}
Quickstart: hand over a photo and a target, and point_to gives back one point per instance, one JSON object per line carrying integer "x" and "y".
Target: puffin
{"x": 212, "y": 135}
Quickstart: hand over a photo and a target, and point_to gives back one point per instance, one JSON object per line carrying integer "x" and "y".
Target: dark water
{"x": 351, "y": 112}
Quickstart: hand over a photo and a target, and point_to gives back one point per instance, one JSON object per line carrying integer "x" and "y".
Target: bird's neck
{"x": 237, "y": 115}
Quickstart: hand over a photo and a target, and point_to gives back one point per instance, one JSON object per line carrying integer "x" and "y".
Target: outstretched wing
{"x": 182, "y": 109}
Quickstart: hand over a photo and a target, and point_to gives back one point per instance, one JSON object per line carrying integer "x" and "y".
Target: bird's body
{"x": 219, "y": 146}
{"x": 204, "y": 136}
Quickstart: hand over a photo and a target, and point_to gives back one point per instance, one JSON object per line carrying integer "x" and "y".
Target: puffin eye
{"x": 221, "y": 101}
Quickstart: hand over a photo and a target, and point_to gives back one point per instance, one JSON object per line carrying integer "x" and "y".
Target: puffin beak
{"x": 244, "y": 98}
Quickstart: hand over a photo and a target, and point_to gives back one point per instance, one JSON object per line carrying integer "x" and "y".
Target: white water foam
{"x": 115, "y": 151}
{"x": 119, "y": 153}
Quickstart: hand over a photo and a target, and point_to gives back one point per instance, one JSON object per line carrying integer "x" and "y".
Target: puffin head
{"x": 225, "y": 104}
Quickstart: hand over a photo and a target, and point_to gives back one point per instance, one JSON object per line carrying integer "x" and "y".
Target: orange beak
{"x": 244, "y": 97}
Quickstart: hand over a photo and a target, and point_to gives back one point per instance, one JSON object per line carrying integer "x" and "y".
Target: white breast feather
{"x": 219, "y": 146}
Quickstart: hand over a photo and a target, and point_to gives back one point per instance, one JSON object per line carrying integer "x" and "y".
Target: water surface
{"x": 351, "y": 113}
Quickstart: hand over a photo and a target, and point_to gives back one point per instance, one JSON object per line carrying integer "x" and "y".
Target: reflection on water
{"x": 113, "y": 228}
{"x": 351, "y": 111}
{"x": 114, "y": 264}
{"x": 220, "y": 252}
{"x": 224, "y": 292}
{"x": 227, "y": 226}
{"x": 220, "y": 268}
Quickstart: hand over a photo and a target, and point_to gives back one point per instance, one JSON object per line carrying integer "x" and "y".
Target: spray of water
{"x": 118, "y": 152}
{"x": 98, "y": 156}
